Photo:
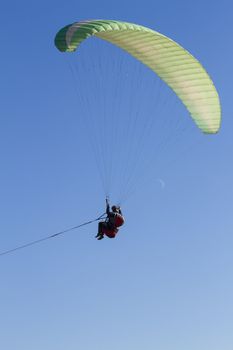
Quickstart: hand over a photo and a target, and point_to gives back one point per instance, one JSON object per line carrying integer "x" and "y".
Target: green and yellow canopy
{"x": 172, "y": 63}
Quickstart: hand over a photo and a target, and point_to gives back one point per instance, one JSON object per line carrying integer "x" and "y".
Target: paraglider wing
{"x": 172, "y": 63}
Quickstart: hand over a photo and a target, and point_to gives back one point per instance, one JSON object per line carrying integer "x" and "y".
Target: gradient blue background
{"x": 166, "y": 282}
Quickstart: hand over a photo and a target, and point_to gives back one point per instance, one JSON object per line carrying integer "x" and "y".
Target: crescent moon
{"x": 162, "y": 183}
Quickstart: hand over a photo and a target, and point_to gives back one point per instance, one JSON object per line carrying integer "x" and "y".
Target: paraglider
{"x": 110, "y": 226}
{"x": 182, "y": 72}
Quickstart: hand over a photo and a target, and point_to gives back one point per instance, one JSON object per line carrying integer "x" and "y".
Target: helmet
{"x": 115, "y": 208}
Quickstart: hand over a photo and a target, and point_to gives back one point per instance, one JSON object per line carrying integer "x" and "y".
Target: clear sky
{"x": 166, "y": 281}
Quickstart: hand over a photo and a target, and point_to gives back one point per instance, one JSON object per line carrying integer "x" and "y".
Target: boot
{"x": 99, "y": 235}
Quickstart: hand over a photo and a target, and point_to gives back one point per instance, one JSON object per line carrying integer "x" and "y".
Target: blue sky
{"x": 166, "y": 281}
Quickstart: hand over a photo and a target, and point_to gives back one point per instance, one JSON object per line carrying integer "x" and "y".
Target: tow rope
{"x": 50, "y": 236}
